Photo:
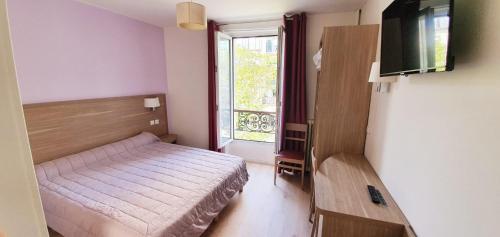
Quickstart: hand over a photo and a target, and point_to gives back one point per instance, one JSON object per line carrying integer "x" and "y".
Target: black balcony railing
{"x": 255, "y": 121}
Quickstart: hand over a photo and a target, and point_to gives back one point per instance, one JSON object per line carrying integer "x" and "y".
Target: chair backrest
{"x": 297, "y": 127}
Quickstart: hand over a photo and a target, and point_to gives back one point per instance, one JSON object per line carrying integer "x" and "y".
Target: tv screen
{"x": 416, "y": 37}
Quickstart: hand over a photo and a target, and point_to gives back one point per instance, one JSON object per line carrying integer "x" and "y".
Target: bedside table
{"x": 169, "y": 138}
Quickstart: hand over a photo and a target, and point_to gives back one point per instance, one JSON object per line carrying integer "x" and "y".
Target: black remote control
{"x": 374, "y": 194}
{"x": 381, "y": 198}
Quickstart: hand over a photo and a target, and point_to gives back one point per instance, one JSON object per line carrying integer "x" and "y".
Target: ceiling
{"x": 162, "y": 12}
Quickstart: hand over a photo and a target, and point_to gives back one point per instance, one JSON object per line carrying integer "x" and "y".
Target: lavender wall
{"x": 65, "y": 50}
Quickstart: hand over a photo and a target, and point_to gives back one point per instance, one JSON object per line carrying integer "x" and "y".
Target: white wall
{"x": 187, "y": 79}
{"x": 257, "y": 152}
{"x": 435, "y": 138}
{"x": 21, "y": 211}
{"x": 315, "y": 25}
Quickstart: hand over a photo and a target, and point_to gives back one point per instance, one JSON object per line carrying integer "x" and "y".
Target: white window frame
{"x": 218, "y": 36}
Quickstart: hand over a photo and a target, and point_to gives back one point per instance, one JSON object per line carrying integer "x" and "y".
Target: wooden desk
{"x": 343, "y": 200}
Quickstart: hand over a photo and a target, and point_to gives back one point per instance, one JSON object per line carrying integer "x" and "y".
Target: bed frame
{"x": 57, "y": 129}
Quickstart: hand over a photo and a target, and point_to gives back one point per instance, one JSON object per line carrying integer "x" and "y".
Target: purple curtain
{"x": 212, "y": 28}
{"x": 294, "y": 80}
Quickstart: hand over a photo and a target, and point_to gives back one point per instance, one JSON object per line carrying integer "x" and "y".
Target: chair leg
{"x": 314, "y": 231}
{"x": 317, "y": 224}
{"x": 310, "y": 214}
{"x": 313, "y": 200}
{"x": 312, "y": 205}
{"x": 275, "y": 169}
{"x": 302, "y": 173}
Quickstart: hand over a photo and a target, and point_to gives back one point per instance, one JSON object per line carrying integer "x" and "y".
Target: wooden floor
{"x": 264, "y": 209}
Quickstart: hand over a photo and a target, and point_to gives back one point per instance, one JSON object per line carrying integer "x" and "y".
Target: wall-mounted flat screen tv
{"x": 416, "y": 37}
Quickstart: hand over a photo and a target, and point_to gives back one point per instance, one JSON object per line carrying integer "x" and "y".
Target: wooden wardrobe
{"x": 341, "y": 118}
{"x": 343, "y": 92}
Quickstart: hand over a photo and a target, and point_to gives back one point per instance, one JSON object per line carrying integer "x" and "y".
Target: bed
{"x": 139, "y": 186}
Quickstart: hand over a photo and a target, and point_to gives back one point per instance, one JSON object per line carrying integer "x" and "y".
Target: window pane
{"x": 255, "y": 69}
{"x": 224, "y": 90}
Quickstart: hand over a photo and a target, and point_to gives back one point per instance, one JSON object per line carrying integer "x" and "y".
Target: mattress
{"x": 138, "y": 187}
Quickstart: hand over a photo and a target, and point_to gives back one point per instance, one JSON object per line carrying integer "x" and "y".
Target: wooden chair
{"x": 292, "y": 160}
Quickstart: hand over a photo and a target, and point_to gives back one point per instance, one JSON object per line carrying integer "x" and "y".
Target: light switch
{"x": 151, "y": 122}
{"x": 157, "y": 121}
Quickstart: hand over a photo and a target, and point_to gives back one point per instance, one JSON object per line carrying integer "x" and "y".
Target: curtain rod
{"x": 289, "y": 16}
{"x": 248, "y": 22}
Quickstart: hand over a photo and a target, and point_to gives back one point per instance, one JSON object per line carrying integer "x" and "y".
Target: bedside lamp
{"x": 152, "y": 103}
{"x": 383, "y": 82}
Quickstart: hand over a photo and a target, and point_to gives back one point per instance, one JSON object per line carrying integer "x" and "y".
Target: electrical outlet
{"x": 151, "y": 122}
{"x": 157, "y": 121}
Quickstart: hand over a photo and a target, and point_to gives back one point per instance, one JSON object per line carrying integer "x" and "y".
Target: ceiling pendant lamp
{"x": 191, "y": 16}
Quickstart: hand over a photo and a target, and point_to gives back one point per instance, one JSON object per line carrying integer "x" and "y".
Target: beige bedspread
{"x": 138, "y": 187}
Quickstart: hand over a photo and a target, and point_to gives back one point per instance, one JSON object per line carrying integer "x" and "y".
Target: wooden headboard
{"x": 57, "y": 129}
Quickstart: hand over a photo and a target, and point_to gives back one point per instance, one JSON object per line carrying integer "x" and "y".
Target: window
{"x": 224, "y": 89}
{"x": 247, "y": 71}
{"x": 255, "y": 74}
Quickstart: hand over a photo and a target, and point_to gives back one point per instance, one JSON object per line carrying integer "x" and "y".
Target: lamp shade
{"x": 375, "y": 74}
{"x": 152, "y": 102}
{"x": 191, "y": 16}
